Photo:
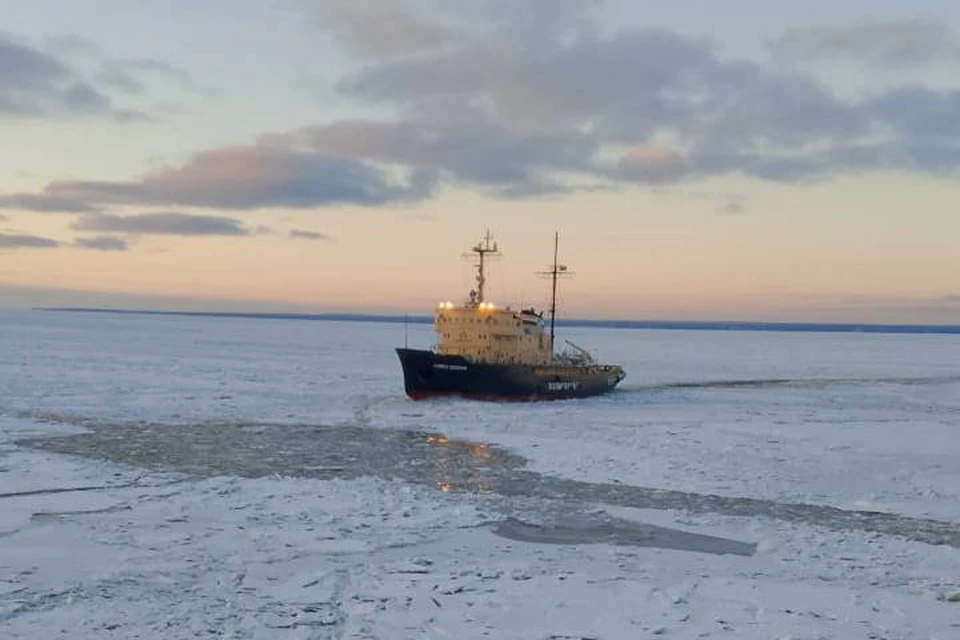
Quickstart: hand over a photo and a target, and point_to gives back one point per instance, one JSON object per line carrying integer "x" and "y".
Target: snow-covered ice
{"x": 249, "y": 478}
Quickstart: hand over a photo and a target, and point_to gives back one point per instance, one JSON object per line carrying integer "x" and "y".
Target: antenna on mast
{"x": 557, "y": 271}
{"x": 486, "y": 247}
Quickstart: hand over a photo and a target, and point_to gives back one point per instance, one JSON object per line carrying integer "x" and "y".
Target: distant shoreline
{"x": 687, "y": 325}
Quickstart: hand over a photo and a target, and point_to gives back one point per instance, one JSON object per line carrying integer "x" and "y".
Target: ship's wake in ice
{"x": 796, "y": 383}
{"x": 324, "y": 452}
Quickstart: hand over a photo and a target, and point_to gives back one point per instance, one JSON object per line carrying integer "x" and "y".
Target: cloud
{"x": 918, "y": 113}
{"x": 253, "y": 177}
{"x": 562, "y": 102}
{"x": 162, "y": 223}
{"x": 72, "y": 45}
{"x": 571, "y": 91}
{"x": 545, "y": 82}
{"x": 375, "y": 28}
{"x": 131, "y": 75}
{"x": 732, "y": 207}
{"x": 102, "y": 243}
{"x": 43, "y": 203}
{"x": 23, "y": 241}
{"x": 36, "y": 84}
{"x": 134, "y": 75}
{"x": 464, "y": 146}
{"x": 121, "y": 80}
{"x": 653, "y": 163}
{"x": 537, "y": 98}
{"x": 899, "y": 44}
{"x": 302, "y": 234}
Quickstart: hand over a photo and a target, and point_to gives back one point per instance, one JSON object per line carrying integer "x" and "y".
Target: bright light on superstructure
{"x": 487, "y": 306}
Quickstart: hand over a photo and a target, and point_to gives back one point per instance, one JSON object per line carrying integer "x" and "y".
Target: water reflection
{"x": 460, "y": 465}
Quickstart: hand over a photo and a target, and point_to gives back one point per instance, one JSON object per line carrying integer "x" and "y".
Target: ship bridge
{"x": 483, "y": 332}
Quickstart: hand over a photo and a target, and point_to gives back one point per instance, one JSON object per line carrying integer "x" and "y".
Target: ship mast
{"x": 557, "y": 271}
{"x": 553, "y": 296}
{"x": 487, "y": 246}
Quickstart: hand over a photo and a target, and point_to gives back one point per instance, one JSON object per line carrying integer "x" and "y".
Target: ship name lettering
{"x": 450, "y": 367}
{"x": 562, "y": 386}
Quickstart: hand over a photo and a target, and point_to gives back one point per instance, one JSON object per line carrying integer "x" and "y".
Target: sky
{"x": 744, "y": 160}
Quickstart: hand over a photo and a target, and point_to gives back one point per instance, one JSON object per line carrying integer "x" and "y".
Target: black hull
{"x": 427, "y": 374}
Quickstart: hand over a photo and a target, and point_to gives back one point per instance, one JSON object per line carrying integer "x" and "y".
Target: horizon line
{"x": 602, "y": 323}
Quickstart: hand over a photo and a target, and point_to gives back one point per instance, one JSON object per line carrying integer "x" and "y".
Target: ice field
{"x": 183, "y": 477}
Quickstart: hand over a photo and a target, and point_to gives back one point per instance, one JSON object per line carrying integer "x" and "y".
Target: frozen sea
{"x": 185, "y": 477}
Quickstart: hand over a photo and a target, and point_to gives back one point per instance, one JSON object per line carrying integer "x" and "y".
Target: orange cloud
{"x": 653, "y": 163}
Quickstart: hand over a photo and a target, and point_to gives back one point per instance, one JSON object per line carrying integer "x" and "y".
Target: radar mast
{"x": 486, "y": 247}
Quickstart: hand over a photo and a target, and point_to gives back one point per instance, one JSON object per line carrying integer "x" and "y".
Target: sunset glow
{"x": 700, "y": 163}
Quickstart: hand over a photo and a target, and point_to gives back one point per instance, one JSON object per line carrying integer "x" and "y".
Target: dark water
{"x": 308, "y": 451}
